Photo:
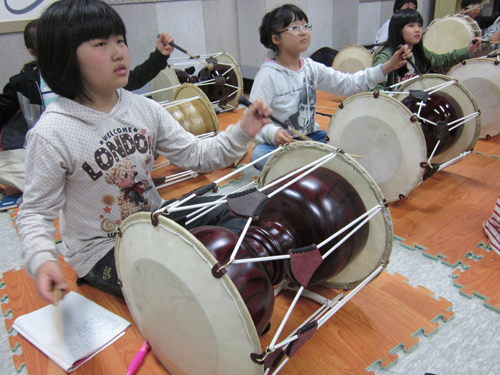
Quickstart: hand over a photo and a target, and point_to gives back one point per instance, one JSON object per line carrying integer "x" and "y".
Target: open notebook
{"x": 72, "y": 333}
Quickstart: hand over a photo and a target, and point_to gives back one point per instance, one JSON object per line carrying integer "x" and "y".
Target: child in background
{"x": 472, "y": 8}
{"x": 406, "y": 29}
{"x": 90, "y": 155}
{"x": 289, "y": 83}
{"x": 383, "y": 32}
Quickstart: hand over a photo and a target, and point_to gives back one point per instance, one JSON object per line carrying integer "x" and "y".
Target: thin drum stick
{"x": 482, "y": 41}
{"x": 248, "y": 103}
{"x": 411, "y": 62}
{"x": 299, "y": 134}
{"x": 209, "y": 66}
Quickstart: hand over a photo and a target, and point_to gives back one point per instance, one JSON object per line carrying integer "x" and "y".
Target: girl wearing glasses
{"x": 289, "y": 82}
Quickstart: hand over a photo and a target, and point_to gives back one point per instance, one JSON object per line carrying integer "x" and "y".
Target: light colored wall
{"x": 206, "y": 26}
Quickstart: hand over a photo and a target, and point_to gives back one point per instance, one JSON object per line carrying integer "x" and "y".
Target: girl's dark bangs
{"x": 99, "y": 26}
{"x": 290, "y": 16}
{"x": 415, "y": 18}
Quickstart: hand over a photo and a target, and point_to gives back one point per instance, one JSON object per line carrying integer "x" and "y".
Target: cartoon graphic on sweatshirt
{"x": 304, "y": 119}
{"x": 132, "y": 197}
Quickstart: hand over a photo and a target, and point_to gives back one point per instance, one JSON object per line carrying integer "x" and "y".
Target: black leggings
{"x": 103, "y": 275}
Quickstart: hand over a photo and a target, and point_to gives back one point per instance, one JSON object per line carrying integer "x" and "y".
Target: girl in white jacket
{"x": 90, "y": 156}
{"x": 289, "y": 83}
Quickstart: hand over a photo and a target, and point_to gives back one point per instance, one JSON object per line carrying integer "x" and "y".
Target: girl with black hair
{"x": 91, "y": 153}
{"x": 289, "y": 82}
{"x": 383, "y": 32}
{"x": 26, "y": 95}
{"x": 406, "y": 29}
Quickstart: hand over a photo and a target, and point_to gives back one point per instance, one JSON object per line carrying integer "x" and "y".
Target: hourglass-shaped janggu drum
{"x": 405, "y": 136}
{"x": 202, "y": 297}
{"x": 217, "y": 74}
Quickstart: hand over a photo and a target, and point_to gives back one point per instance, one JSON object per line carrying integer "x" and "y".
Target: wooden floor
{"x": 442, "y": 216}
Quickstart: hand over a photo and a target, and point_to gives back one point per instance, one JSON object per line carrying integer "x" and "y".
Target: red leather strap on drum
{"x": 303, "y": 263}
{"x": 270, "y": 360}
{"x": 201, "y": 190}
{"x": 249, "y": 203}
{"x": 304, "y": 333}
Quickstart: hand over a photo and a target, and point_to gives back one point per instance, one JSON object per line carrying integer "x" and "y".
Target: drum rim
{"x": 204, "y": 99}
{"x": 485, "y": 133}
{"x": 443, "y": 157}
{"x": 459, "y": 16}
{"x": 422, "y": 158}
{"x": 385, "y": 215}
{"x": 241, "y": 310}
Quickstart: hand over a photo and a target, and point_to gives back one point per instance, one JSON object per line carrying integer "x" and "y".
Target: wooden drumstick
{"x": 482, "y": 41}
{"x": 412, "y": 63}
{"x": 300, "y": 135}
{"x": 210, "y": 66}
{"x": 248, "y": 103}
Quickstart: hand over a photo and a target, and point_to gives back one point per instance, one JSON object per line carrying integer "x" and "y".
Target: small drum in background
{"x": 352, "y": 58}
{"x": 396, "y": 140}
{"x": 222, "y": 83}
{"x": 449, "y": 33}
{"x": 192, "y": 109}
{"x": 200, "y": 320}
{"x": 482, "y": 78}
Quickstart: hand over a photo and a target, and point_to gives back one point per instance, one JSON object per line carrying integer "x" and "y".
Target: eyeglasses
{"x": 472, "y": 7}
{"x": 298, "y": 29}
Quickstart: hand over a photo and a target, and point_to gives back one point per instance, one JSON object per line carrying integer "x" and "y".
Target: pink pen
{"x": 136, "y": 362}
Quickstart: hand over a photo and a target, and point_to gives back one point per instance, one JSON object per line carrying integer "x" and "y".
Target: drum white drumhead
{"x": 482, "y": 78}
{"x": 461, "y": 100}
{"x": 166, "y": 78}
{"x": 379, "y": 244}
{"x": 204, "y": 111}
{"x": 352, "y": 58}
{"x": 380, "y": 130}
{"x": 195, "y": 323}
{"x": 450, "y": 33}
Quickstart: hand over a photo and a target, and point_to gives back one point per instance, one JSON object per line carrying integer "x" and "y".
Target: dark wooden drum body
{"x": 439, "y": 111}
{"x": 200, "y": 324}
